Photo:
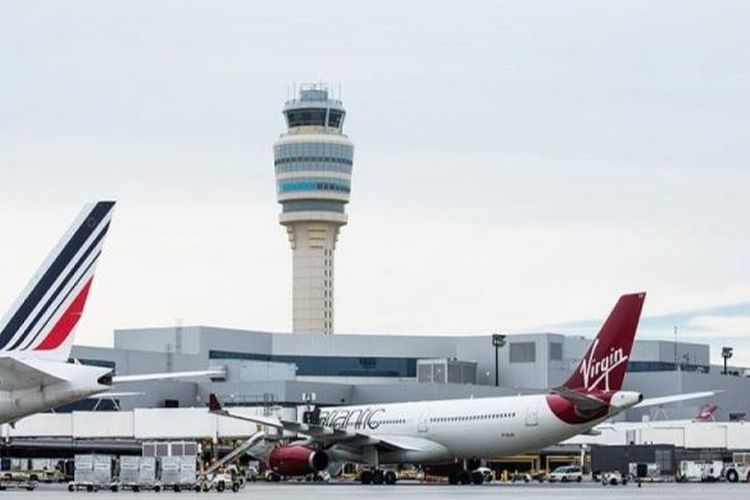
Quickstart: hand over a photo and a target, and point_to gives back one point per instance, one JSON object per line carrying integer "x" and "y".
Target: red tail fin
{"x": 604, "y": 364}
{"x": 213, "y": 402}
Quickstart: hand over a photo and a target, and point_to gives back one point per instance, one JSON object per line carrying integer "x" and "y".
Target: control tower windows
{"x": 313, "y": 205}
{"x": 306, "y": 117}
{"x": 335, "y": 118}
{"x": 317, "y": 149}
{"x": 313, "y": 184}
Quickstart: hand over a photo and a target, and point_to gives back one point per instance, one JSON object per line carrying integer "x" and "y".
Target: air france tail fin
{"x": 42, "y": 321}
{"x": 604, "y": 364}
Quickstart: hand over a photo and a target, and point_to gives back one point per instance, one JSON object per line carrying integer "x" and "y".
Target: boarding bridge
{"x": 144, "y": 424}
{"x": 680, "y": 433}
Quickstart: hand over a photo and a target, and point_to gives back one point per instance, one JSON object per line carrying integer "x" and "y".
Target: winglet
{"x": 214, "y": 405}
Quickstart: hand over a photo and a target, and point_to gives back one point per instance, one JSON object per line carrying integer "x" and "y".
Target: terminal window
{"x": 522, "y": 352}
{"x": 555, "y": 351}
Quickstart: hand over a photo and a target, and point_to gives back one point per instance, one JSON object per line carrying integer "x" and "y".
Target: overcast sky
{"x": 518, "y": 165}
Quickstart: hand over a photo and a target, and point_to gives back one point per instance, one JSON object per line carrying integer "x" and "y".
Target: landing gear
{"x": 462, "y": 477}
{"x": 378, "y": 476}
{"x": 467, "y": 474}
{"x": 366, "y": 477}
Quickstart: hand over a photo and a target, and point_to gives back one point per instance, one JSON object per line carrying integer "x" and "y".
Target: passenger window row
{"x": 467, "y": 418}
{"x": 393, "y": 421}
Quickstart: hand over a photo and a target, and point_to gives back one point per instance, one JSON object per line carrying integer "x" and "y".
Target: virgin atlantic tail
{"x": 603, "y": 366}
{"x": 42, "y": 321}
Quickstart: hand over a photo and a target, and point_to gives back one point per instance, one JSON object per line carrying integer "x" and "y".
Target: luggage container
{"x": 178, "y": 472}
{"x": 138, "y": 473}
{"x": 103, "y": 469}
{"x": 187, "y": 469}
{"x": 129, "y": 477}
{"x": 147, "y": 473}
{"x": 93, "y": 473}
{"x": 171, "y": 475}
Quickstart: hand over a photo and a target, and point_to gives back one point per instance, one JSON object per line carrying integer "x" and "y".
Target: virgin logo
{"x": 595, "y": 371}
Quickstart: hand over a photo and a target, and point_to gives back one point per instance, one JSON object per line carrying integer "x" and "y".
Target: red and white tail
{"x": 44, "y": 317}
{"x": 604, "y": 364}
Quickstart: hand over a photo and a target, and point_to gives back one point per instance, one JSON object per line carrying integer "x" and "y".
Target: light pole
{"x": 497, "y": 341}
{"x": 726, "y": 353}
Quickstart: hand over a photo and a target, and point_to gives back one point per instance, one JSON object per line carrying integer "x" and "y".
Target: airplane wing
{"x": 664, "y": 400}
{"x": 16, "y": 374}
{"x": 146, "y": 377}
{"x": 326, "y": 435}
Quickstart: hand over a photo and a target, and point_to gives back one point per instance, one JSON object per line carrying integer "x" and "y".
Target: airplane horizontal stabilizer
{"x": 147, "y": 377}
{"x": 109, "y": 395}
{"x": 675, "y": 398}
{"x": 584, "y": 402}
{"x": 27, "y": 372}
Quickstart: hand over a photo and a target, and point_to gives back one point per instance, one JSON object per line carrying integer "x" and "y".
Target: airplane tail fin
{"x": 604, "y": 364}
{"x": 44, "y": 317}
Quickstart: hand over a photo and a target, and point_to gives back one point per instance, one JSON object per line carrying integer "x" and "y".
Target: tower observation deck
{"x": 313, "y": 165}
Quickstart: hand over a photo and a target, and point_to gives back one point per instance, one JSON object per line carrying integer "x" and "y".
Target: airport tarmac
{"x": 308, "y": 491}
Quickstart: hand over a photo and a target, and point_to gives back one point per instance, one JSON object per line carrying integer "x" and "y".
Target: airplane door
{"x": 532, "y": 414}
{"x": 422, "y": 425}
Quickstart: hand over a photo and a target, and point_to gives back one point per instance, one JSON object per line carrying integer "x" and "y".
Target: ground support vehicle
{"x": 21, "y": 484}
{"x": 613, "y": 478}
{"x": 221, "y": 481}
{"x": 566, "y": 474}
{"x": 734, "y": 472}
{"x": 645, "y": 471}
{"x": 700, "y": 471}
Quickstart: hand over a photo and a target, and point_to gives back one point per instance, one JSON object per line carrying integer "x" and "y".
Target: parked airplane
{"x": 465, "y": 430}
{"x": 36, "y": 335}
{"x": 706, "y": 413}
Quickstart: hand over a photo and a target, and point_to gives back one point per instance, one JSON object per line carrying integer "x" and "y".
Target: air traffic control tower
{"x": 313, "y": 163}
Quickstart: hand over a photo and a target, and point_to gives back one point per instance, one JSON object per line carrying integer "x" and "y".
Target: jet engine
{"x": 296, "y": 460}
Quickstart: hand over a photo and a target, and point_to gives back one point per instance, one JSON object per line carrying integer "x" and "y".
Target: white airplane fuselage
{"x": 444, "y": 431}
{"x": 79, "y": 382}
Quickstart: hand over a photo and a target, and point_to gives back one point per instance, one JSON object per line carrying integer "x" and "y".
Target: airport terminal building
{"x": 289, "y": 369}
{"x": 313, "y": 164}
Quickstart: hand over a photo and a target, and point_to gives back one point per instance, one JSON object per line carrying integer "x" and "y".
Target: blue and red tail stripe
{"x": 73, "y": 263}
